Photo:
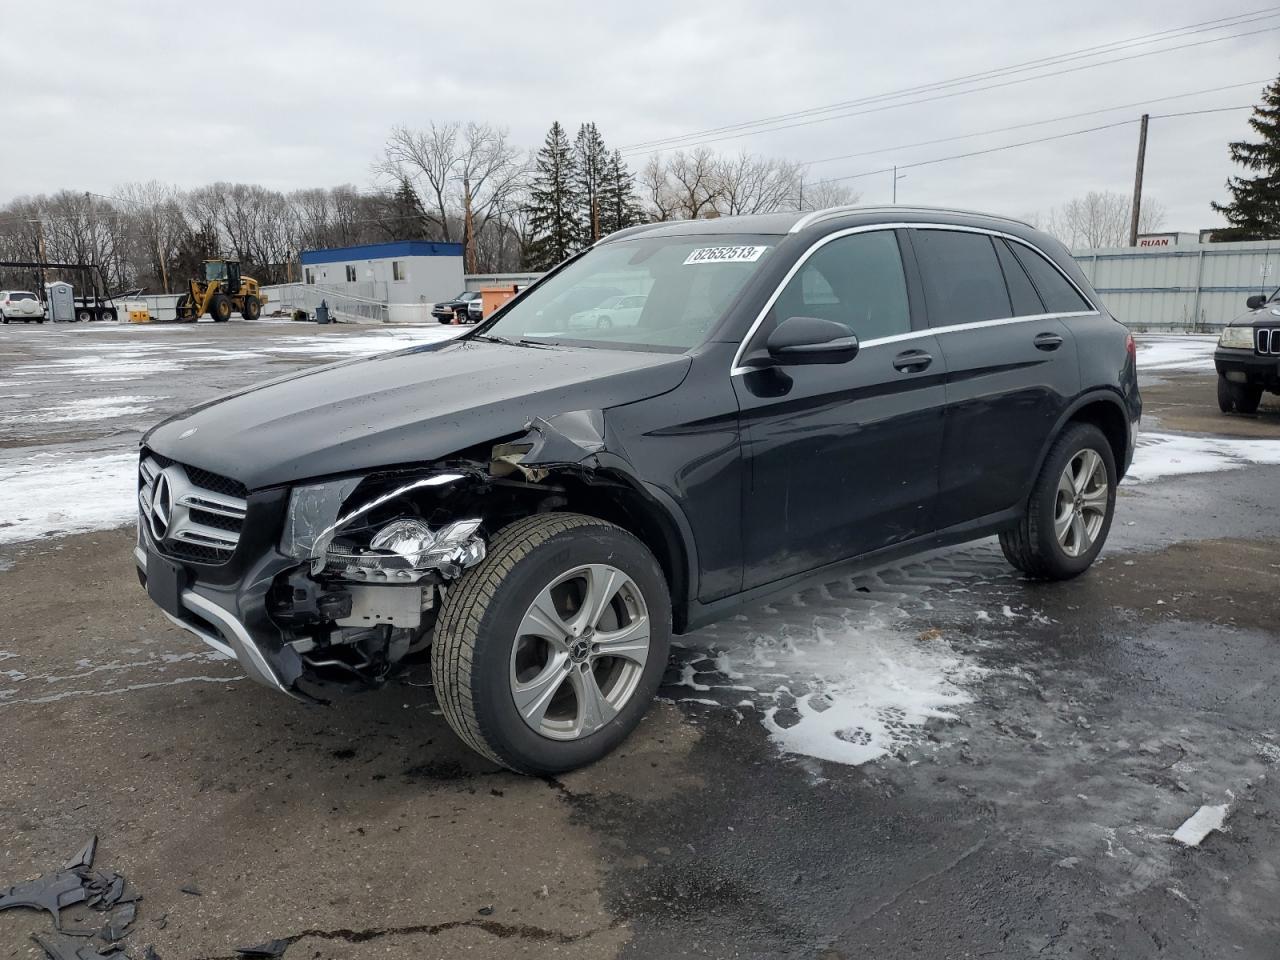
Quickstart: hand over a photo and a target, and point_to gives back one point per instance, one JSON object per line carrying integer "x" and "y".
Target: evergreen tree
{"x": 619, "y": 207}
{"x": 554, "y": 203}
{"x": 405, "y": 217}
{"x": 593, "y": 167}
{"x": 1254, "y": 210}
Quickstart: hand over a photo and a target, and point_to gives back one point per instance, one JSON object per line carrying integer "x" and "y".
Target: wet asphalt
{"x": 1032, "y": 821}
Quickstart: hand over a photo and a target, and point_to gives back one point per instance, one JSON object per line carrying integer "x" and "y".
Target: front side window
{"x": 684, "y": 285}
{"x": 855, "y": 280}
{"x": 1056, "y": 291}
{"x": 962, "y": 279}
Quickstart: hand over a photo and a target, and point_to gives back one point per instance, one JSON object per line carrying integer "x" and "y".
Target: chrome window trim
{"x": 737, "y": 368}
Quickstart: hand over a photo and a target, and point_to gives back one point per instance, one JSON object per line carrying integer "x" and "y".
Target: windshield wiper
{"x": 491, "y": 338}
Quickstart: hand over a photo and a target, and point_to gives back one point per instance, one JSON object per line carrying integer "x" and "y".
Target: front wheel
{"x": 547, "y": 654}
{"x": 220, "y": 308}
{"x": 1070, "y": 509}
{"x": 1226, "y": 395}
{"x": 1248, "y": 398}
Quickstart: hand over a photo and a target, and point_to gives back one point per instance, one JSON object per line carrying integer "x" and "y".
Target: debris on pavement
{"x": 272, "y": 948}
{"x": 1202, "y": 823}
{"x": 190, "y": 889}
{"x": 78, "y": 883}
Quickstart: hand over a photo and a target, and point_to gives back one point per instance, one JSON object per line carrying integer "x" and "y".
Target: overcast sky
{"x": 303, "y": 94}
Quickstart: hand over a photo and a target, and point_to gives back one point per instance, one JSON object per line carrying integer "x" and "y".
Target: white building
{"x": 403, "y": 271}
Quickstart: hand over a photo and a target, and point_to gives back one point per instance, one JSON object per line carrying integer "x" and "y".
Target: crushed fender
{"x": 565, "y": 439}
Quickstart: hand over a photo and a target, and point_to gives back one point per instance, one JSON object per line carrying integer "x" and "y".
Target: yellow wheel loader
{"x": 222, "y": 292}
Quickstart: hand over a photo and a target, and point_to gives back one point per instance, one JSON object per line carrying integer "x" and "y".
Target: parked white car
{"x": 615, "y": 312}
{"x": 20, "y": 305}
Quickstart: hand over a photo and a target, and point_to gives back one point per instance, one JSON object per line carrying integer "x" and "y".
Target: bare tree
{"x": 1100, "y": 219}
{"x": 824, "y": 193}
{"x": 751, "y": 184}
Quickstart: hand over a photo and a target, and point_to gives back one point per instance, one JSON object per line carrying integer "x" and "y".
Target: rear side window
{"x": 1026, "y": 302}
{"x": 855, "y": 280}
{"x": 1056, "y": 291}
{"x": 963, "y": 282}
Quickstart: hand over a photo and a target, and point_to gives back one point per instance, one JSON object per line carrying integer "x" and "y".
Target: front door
{"x": 841, "y": 459}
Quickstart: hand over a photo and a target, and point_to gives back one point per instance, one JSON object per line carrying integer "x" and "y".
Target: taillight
{"x": 1131, "y": 348}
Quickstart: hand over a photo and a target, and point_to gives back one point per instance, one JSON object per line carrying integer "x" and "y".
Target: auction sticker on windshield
{"x": 725, "y": 255}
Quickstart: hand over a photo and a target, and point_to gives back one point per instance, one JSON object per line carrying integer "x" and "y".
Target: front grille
{"x": 1268, "y": 342}
{"x": 192, "y": 514}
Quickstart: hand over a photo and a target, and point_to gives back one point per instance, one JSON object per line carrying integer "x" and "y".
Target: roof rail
{"x": 815, "y": 216}
{"x": 632, "y": 231}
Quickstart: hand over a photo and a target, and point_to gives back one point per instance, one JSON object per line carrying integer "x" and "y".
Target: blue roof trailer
{"x": 402, "y": 271}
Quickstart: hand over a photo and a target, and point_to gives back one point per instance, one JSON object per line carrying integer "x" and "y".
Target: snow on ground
{"x": 1161, "y": 455}
{"x": 94, "y": 408}
{"x": 1181, "y": 352}
{"x": 365, "y": 344}
{"x": 50, "y": 494}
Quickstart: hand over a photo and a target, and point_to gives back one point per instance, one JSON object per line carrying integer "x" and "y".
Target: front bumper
{"x": 1247, "y": 367}
{"x": 232, "y": 619}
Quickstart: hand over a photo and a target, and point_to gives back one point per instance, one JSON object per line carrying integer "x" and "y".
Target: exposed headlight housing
{"x": 405, "y": 550}
{"x": 1236, "y": 338}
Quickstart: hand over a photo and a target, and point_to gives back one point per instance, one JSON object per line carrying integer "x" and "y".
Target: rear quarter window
{"x": 1056, "y": 291}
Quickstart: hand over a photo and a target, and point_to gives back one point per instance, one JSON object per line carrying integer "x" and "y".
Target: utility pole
{"x": 40, "y": 253}
{"x": 1137, "y": 182}
{"x": 896, "y": 178}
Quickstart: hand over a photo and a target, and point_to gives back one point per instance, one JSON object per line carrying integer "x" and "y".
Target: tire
{"x": 604, "y": 323}
{"x": 4, "y": 319}
{"x": 1226, "y": 396}
{"x": 252, "y": 308}
{"x": 108, "y": 315}
{"x": 184, "y": 308}
{"x": 1033, "y": 546}
{"x": 1248, "y": 398}
{"x": 480, "y": 654}
{"x": 41, "y": 320}
{"x": 220, "y": 308}
{"x": 84, "y": 316}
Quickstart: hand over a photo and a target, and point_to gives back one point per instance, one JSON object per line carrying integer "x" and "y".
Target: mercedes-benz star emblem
{"x": 161, "y": 506}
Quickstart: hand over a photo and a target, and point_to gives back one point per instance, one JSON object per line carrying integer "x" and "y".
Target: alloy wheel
{"x": 579, "y": 652}
{"x": 1080, "y": 508}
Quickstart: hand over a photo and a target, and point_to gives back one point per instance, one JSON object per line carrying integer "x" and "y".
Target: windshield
{"x": 677, "y": 288}
{"x": 215, "y": 271}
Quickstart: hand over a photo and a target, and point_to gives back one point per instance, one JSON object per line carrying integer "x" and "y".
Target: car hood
{"x": 1266, "y": 314}
{"x": 407, "y": 407}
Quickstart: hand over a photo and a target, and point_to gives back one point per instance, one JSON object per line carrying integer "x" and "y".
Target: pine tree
{"x": 619, "y": 207}
{"x": 554, "y": 204}
{"x": 1254, "y": 210}
{"x": 405, "y": 217}
{"x": 593, "y": 166}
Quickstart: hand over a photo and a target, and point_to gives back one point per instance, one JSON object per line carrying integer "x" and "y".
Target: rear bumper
{"x": 1247, "y": 367}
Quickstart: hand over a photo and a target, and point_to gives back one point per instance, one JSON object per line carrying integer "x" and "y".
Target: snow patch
{"x": 95, "y": 408}
{"x": 50, "y": 494}
{"x": 1185, "y": 352}
{"x": 1202, "y": 823}
{"x": 1160, "y": 455}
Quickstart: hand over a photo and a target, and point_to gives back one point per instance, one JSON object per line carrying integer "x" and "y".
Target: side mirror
{"x": 1256, "y": 302}
{"x": 798, "y": 340}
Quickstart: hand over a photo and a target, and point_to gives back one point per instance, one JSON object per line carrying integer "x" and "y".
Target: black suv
{"x": 464, "y": 308}
{"x": 1248, "y": 356}
{"x": 542, "y": 506}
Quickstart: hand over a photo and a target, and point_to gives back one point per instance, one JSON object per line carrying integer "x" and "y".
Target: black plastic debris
{"x": 191, "y": 890}
{"x": 485, "y": 911}
{"x": 59, "y": 947}
{"x": 53, "y": 893}
{"x": 272, "y": 948}
{"x": 85, "y": 857}
{"x": 118, "y": 923}
{"x": 151, "y": 953}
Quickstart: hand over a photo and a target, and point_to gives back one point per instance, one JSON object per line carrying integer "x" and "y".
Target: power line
{"x": 1033, "y": 123}
{"x": 1023, "y": 143}
{"x": 1186, "y": 30}
{"x": 945, "y": 96}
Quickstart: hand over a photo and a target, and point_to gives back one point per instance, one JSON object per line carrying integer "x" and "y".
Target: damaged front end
{"x": 376, "y": 554}
{"x": 326, "y": 587}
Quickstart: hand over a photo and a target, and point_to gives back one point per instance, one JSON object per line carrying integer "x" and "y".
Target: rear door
{"x": 842, "y": 458}
{"x": 1011, "y": 369}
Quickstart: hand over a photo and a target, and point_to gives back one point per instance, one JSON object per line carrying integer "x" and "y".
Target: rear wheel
{"x": 1226, "y": 396}
{"x": 604, "y": 323}
{"x": 1070, "y": 510}
{"x": 84, "y": 316}
{"x": 220, "y": 307}
{"x": 252, "y": 308}
{"x": 108, "y": 315}
{"x": 4, "y": 319}
{"x": 547, "y": 654}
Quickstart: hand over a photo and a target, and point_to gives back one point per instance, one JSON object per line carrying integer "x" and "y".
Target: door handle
{"x": 1048, "y": 341}
{"x": 912, "y": 361}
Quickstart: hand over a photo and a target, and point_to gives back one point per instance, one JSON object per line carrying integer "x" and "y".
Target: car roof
{"x": 794, "y": 221}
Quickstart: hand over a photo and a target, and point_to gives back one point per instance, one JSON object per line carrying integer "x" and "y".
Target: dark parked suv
{"x": 1248, "y": 356}
{"x": 542, "y": 506}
